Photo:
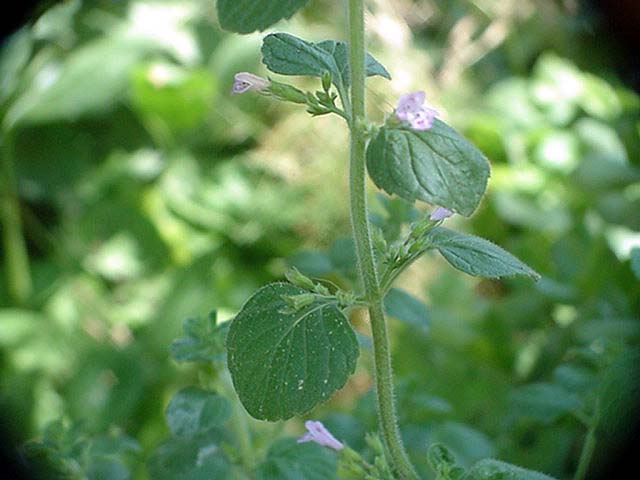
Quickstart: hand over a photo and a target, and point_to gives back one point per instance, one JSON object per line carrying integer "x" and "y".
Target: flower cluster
{"x": 412, "y": 109}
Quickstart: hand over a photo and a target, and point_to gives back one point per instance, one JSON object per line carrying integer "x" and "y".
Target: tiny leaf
{"x": 490, "y": 469}
{"x": 284, "y": 362}
{"x": 477, "y": 256}
{"x": 289, "y": 460}
{"x": 288, "y": 55}
{"x": 203, "y": 341}
{"x": 193, "y": 411}
{"x": 443, "y": 462}
{"x": 437, "y": 166}
{"x": 246, "y": 16}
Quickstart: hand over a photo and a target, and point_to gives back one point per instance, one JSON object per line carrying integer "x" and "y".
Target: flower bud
{"x": 298, "y": 279}
{"x": 298, "y": 302}
{"x": 326, "y": 81}
{"x": 287, "y": 93}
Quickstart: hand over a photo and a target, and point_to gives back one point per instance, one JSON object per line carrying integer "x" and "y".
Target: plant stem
{"x": 364, "y": 249}
{"x": 587, "y": 452}
{"x": 16, "y": 258}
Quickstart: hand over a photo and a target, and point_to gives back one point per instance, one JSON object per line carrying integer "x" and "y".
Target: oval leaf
{"x": 246, "y": 16}
{"x": 438, "y": 166}
{"x": 477, "y": 256}
{"x": 283, "y": 362}
{"x": 288, "y": 55}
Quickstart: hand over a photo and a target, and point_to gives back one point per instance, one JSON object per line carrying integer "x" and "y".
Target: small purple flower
{"x": 411, "y": 109}
{"x": 245, "y": 81}
{"x": 316, "y": 432}
{"x": 440, "y": 213}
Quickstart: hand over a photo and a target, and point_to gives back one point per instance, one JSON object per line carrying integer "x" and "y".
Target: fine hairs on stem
{"x": 364, "y": 248}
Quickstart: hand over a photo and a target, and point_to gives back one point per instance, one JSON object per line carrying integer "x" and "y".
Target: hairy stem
{"x": 16, "y": 258}
{"x": 364, "y": 248}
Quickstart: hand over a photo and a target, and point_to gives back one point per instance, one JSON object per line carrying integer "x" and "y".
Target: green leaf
{"x": 193, "y": 411}
{"x": 246, "y": 16}
{"x": 635, "y": 261}
{"x": 288, "y": 55}
{"x": 618, "y": 397}
{"x": 406, "y": 307}
{"x": 14, "y": 56}
{"x": 285, "y": 362}
{"x": 204, "y": 341}
{"x": 289, "y": 460}
{"x": 104, "y": 64}
{"x": 477, "y": 256}
{"x": 437, "y": 166}
{"x": 544, "y": 402}
{"x": 107, "y": 469}
{"x": 490, "y": 469}
{"x": 189, "y": 458}
{"x": 443, "y": 462}
{"x": 180, "y": 102}
{"x": 467, "y": 444}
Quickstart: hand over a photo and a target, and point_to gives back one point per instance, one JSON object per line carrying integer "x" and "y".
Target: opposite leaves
{"x": 477, "y": 256}
{"x": 284, "y": 361}
{"x": 246, "y": 16}
{"x": 438, "y": 166}
{"x": 288, "y": 55}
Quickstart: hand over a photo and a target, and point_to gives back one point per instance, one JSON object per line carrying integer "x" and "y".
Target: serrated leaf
{"x": 406, "y": 307}
{"x": 490, "y": 469}
{"x": 246, "y": 16}
{"x": 544, "y": 402}
{"x": 289, "y": 55}
{"x": 285, "y": 362}
{"x": 477, "y": 256}
{"x": 203, "y": 341}
{"x": 189, "y": 458}
{"x": 193, "y": 410}
{"x": 437, "y": 166}
{"x": 289, "y": 460}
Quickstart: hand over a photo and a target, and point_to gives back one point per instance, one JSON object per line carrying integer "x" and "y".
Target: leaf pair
{"x": 288, "y": 55}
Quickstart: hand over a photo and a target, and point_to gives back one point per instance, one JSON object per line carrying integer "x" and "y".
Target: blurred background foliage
{"x": 147, "y": 195}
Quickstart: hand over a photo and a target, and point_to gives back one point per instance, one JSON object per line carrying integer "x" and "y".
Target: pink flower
{"x": 316, "y": 432}
{"x": 411, "y": 109}
{"x": 440, "y": 213}
{"x": 245, "y": 81}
